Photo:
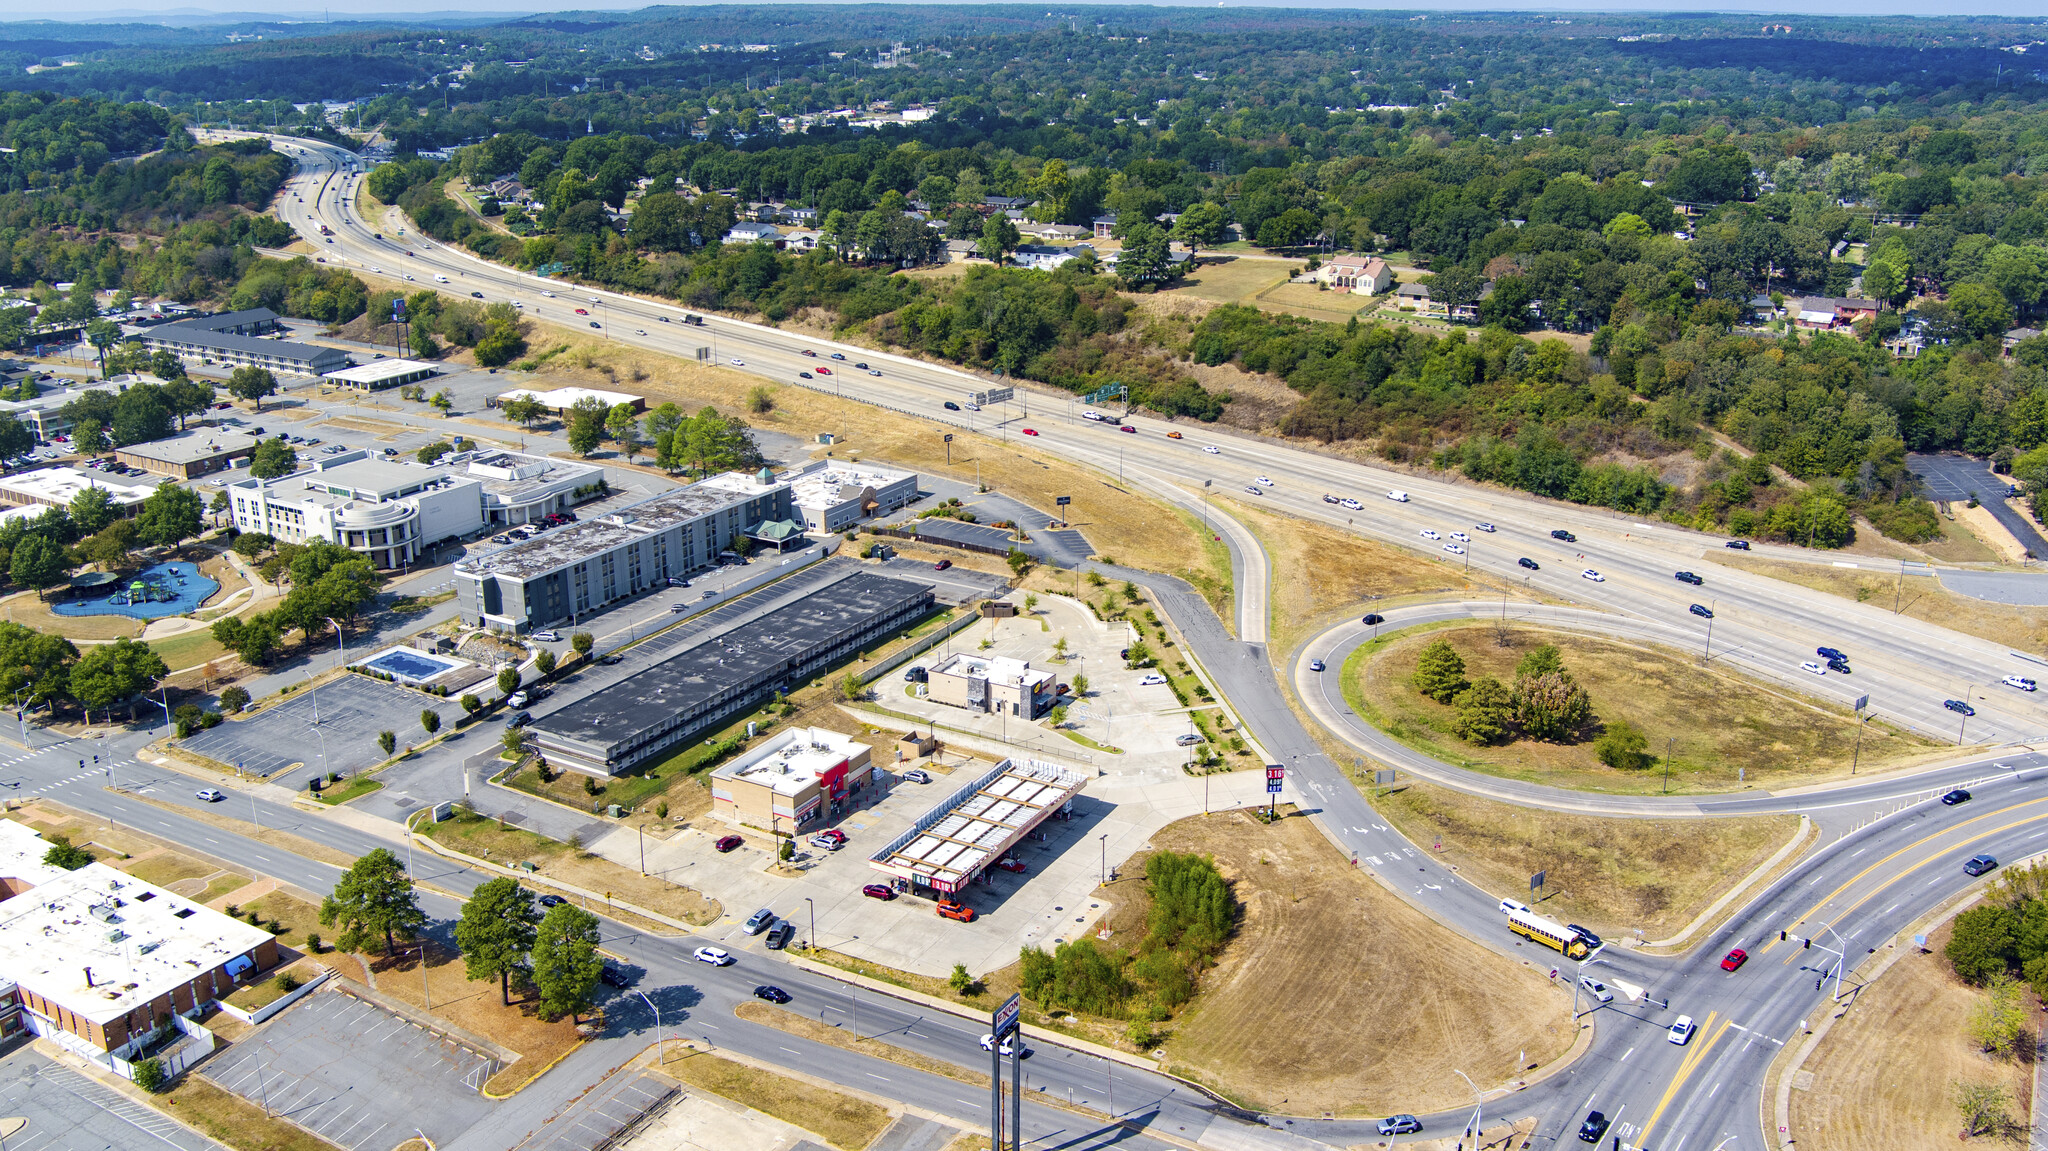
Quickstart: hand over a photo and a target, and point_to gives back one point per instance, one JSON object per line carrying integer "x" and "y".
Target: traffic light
{"x": 81, "y": 765}
{"x": 95, "y": 759}
{"x": 1818, "y": 980}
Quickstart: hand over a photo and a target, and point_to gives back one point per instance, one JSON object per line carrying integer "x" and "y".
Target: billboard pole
{"x": 1001, "y": 1023}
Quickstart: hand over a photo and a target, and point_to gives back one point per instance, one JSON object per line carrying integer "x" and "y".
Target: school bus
{"x": 1549, "y": 934}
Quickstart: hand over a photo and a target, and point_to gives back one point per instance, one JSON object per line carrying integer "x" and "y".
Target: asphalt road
{"x": 1953, "y": 477}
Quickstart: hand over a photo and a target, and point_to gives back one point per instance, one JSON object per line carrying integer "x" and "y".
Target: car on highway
{"x": 918, "y": 775}
{"x": 1400, "y": 1125}
{"x": 954, "y": 910}
{"x": 863, "y": 367}
{"x": 1212, "y": 449}
{"x": 210, "y": 794}
{"x": 1979, "y": 864}
{"x": 1561, "y": 534}
{"x": 1315, "y": 665}
{"x": 1508, "y": 906}
{"x": 583, "y": 311}
{"x": 1596, "y": 989}
{"x": 1593, "y": 575}
{"x": 727, "y": 844}
{"x": 595, "y": 324}
{"x": 874, "y": 371}
{"x": 1681, "y": 1030}
{"x": 1398, "y": 497}
{"x": 1030, "y": 431}
{"x": 1351, "y": 505}
{"x": 639, "y": 331}
{"x": 1959, "y": 707}
{"x": 1372, "y": 619}
{"x": 988, "y": 1043}
{"x": 1812, "y": 668}
{"x": 1120, "y": 427}
{"x": 1485, "y": 527}
{"x": 1702, "y": 611}
{"x": 1255, "y": 489}
{"x": 1593, "y": 1128}
{"x": 942, "y": 565}
{"x": 823, "y": 370}
{"x": 760, "y": 921}
{"x": 808, "y": 352}
{"x": 951, "y": 406}
{"x": 1734, "y": 959}
{"x": 2019, "y": 681}
{"x": 1455, "y": 549}
{"x": 1175, "y": 436}
{"x": 805, "y": 376}
{"x": 1687, "y": 577}
{"x": 1829, "y": 653}
{"x": 881, "y": 891}
{"x": 771, "y": 993}
{"x": 1959, "y": 795}
{"x": 1738, "y": 545}
{"x": 1262, "y": 481}
{"x": 715, "y": 956}
{"x": 476, "y": 295}
{"x": 1840, "y": 666}
{"x": 1532, "y": 565}
{"x": 839, "y": 355}
{"x": 1461, "y": 537}
{"x": 738, "y": 363}
{"x": 1431, "y": 534}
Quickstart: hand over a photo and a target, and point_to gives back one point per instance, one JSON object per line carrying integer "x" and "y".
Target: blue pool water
{"x": 164, "y": 590}
{"x": 410, "y": 665}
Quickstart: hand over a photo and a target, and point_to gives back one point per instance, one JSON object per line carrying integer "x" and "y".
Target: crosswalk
{"x": 106, "y": 770}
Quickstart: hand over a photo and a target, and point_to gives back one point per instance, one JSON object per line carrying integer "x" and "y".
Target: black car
{"x": 771, "y": 993}
{"x": 1829, "y": 653}
{"x": 1959, "y": 795}
{"x": 1979, "y": 864}
{"x": 1702, "y": 611}
{"x": 476, "y": 295}
{"x": 613, "y": 976}
{"x": 1840, "y": 666}
{"x": 916, "y": 675}
{"x": 1687, "y": 577}
{"x": 1373, "y": 619}
{"x": 1738, "y": 545}
{"x": 521, "y": 720}
{"x": 951, "y": 406}
{"x": 1561, "y": 534}
{"x": 612, "y": 659}
{"x": 1592, "y": 940}
{"x": 1593, "y": 1128}
{"x": 780, "y": 934}
{"x": 1532, "y": 565}
{"x": 1958, "y": 706}
{"x": 551, "y": 901}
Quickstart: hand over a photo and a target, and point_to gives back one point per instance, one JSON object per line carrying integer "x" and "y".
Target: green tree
{"x": 586, "y": 425}
{"x": 273, "y": 458}
{"x": 623, "y": 426}
{"x": 1143, "y": 259}
{"x": 566, "y": 965}
{"x": 1080, "y": 685}
{"x": 170, "y": 516}
{"x": 523, "y": 409}
{"x": 252, "y": 384}
{"x": 92, "y": 509}
{"x": 1983, "y": 943}
{"x": 472, "y": 704}
{"x": 1623, "y": 747}
{"x": 374, "y": 897}
{"x": 962, "y": 982}
{"x": 89, "y": 437}
{"x": 496, "y": 933}
{"x": 998, "y": 236}
{"x": 508, "y": 680}
{"x": 1486, "y": 712}
{"x": 1999, "y": 1017}
{"x": 102, "y": 334}
{"x": 1200, "y": 226}
{"x": 544, "y": 662}
{"x": 1983, "y": 1106}
{"x": 430, "y": 719}
{"x": 1440, "y": 672}
{"x": 150, "y": 1076}
{"x": 1551, "y": 706}
{"x": 37, "y": 563}
{"x": 234, "y": 699}
{"x": 110, "y": 672}
{"x": 66, "y": 854}
{"x": 581, "y": 642}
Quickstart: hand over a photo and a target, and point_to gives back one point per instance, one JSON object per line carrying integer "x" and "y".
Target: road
{"x": 1908, "y": 846}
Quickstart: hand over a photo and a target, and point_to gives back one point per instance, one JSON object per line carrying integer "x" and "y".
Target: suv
{"x": 760, "y": 921}
{"x": 1687, "y": 577}
{"x": 1593, "y": 1128}
{"x": 779, "y": 935}
{"x": 1561, "y": 534}
{"x": 954, "y": 910}
{"x": 1400, "y": 1125}
{"x": 1979, "y": 864}
{"x": 918, "y": 775}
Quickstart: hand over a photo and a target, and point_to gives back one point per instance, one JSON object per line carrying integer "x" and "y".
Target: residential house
{"x": 1412, "y": 298}
{"x": 959, "y": 251}
{"x": 747, "y": 233}
{"x": 1363, "y": 275}
{"x": 1103, "y": 224}
{"x": 2013, "y": 339}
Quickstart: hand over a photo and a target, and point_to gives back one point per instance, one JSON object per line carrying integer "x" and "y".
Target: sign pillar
{"x": 1276, "y": 777}
{"x": 1001, "y": 1023}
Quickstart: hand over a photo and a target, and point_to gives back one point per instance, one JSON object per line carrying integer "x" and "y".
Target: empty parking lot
{"x": 352, "y": 709}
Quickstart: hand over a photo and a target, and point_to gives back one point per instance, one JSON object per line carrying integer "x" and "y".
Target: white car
{"x": 1461, "y": 537}
{"x": 548, "y": 636}
{"x": 1595, "y": 988}
{"x": 1398, "y": 497}
{"x": 1508, "y": 906}
{"x": 988, "y": 1043}
{"x": 1212, "y": 449}
{"x": 1455, "y": 549}
{"x": 738, "y": 363}
{"x": 715, "y": 956}
{"x": 1681, "y": 1030}
{"x": 1154, "y": 679}
{"x": 548, "y": 294}
{"x": 1484, "y": 527}
{"x": 1431, "y": 534}
{"x": 1813, "y": 668}
{"x": 1352, "y": 505}
{"x": 2019, "y": 681}
{"x": 1590, "y": 574}
{"x": 1262, "y": 481}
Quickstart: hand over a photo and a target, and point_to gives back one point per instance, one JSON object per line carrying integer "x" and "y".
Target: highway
{"x": 1854, "y": 895}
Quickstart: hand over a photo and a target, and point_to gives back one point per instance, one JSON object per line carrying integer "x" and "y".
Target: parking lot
{"x": 352, "y": 709}
{"x": 357, "y": 1075}
{"x": 66, "y": 1111}
{"x": 596, "y": 1118}
{"x": 1954, "y": 478}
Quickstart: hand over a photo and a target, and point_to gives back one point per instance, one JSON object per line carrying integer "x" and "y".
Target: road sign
{"x": 443, "y": 812}
{"x": 398, "y": 310}
{"x": 1005, "y": 1017}
{"x": 994, "y": 396}
{"x": 949, "y": 437}
{"x": 1862, "y": 701}
{"x": 1383, "y": 778}
{"x": 1536, "y": 880}
{"x": 1063, "y": 501}
{"x": 1276, "y": 777}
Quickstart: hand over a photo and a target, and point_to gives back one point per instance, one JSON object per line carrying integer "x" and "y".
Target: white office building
{"x": 833, "y": 495}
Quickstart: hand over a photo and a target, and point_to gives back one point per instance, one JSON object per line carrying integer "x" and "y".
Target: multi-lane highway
{"x": 1852, "y": 897}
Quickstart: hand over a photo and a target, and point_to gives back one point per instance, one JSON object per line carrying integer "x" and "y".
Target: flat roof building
{"x": 832, "y": 495}
{"x": 572, "y": 571}
{"x": 994, "y": 684}
{"x": 793, "y": 780}
{"x": 57, "y": 487}
{"x": 560, "y": 400}
{"x": 377, "y": 375}
{"x": 649, "y": 714}
{"x": 45, "y": 416}
{"x": 389, "y": 510}
{"x": 954, "y": 842}
{"x": 235, "y": 338}
{"x": 199, "y": 452}
{"x": 101, "y": 960}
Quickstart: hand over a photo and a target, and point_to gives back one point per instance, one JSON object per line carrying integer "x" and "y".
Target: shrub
{"x": 149, "y": 1075}
{"x": 313, "y": 942}
{"x": 286, "y": 982}
{"x": 1622, "y": 747}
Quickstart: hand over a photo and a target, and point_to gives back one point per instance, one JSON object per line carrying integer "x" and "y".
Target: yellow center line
{"x": 1894, "y": 855}
{"x": 1690, "y": 1064}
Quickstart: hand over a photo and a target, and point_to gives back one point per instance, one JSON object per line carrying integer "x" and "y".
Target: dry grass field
{"x": 1231, "y": 280}
{"x": 841, "y": 1120}
{"x": 1872, "y": 1092}
{"x": 1722, "y": 731}
{"x": 1613, "y": 875}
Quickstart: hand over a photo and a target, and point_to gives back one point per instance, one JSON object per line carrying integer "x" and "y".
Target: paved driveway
{"x": 67, "y": 1111}
{"x": 357, "y": 1075}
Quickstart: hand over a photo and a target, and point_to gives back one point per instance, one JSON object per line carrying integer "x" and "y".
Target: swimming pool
{"x": 166, "y": 589}
{"x": 412, "y": 667}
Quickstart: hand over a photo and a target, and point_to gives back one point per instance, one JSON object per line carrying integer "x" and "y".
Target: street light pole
{"x": 1105, "y": 857}
{"x": 814, "y": 924}
{"x": 341, "y": 660}
{"x": 1478, "y": 1104}
{"x": 657, "y": 1024}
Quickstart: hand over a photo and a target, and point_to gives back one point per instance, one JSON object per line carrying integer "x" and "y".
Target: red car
{"x": 942, "y": 565}
{"x": 833, "y": 834}
{"x": 583, "y": 311}
{"x": 823, "y": 370}
{"x": 1734, "y": 959}
{"x": 729, "y": 843}
{"x": 879, "y": 891}
{"x": 1030, "y": 431}
{"x": 814, "y": 356}
{"x": 1016, "y": 866}
{"x": 1128, "y": 428}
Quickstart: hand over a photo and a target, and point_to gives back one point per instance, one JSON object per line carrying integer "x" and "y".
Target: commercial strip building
{"x": 994, "y": 684}
{"x": 390, "y": 510}
{"x": 57, "y": 487}
{"x": 45, "y": 416}
{"x": 976, "y": 825}
{"x": 569, "y": 572}
{"x": 199, "y": 452}
{"x": 234, "y": 338}
{"x": 793, "y": 780}
{"x": 100, "y": 960}
{"x": 378, "y": 375}
{"x": 560, "y": 400}
{"x": 650, "y": 714}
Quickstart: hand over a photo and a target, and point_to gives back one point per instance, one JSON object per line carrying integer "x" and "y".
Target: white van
{"x": 1398, "y": 497}
{"x": 440, "y": 279}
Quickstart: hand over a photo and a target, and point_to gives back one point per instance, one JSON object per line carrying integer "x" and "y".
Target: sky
{"x": 184, "y": 11}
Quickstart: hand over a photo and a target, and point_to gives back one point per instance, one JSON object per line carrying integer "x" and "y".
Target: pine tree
{"x": 496, "y": 932}
{"x": 1440, "y": 672}
{"x": 1486, "y": 712}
